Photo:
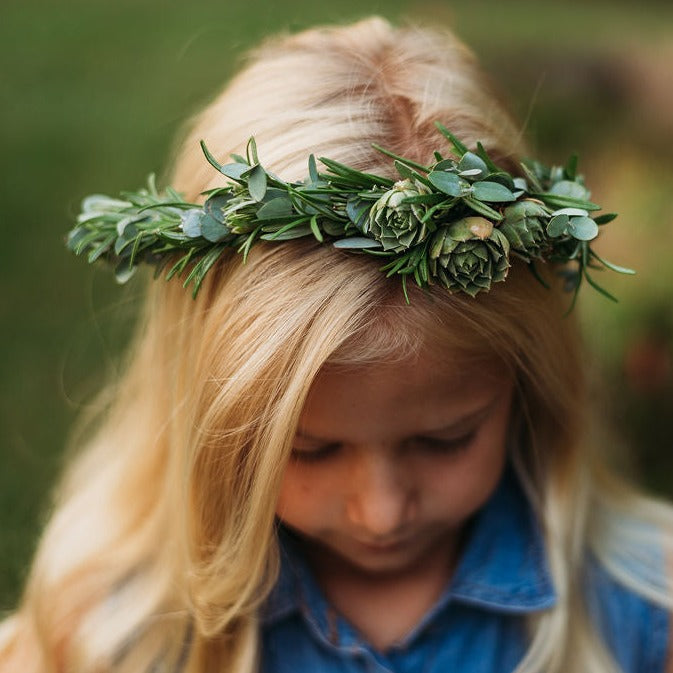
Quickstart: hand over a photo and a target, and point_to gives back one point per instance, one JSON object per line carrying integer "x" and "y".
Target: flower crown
{"x": 457, "y": 222}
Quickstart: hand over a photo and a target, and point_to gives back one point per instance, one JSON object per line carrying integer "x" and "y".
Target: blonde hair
{"x": 162, "y": 546}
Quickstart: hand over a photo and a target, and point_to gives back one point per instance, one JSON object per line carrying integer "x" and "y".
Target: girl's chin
{"x": 397, "y": 557}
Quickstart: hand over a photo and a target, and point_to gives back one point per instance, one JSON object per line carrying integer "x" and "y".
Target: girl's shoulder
{"x": 635, "y": 629}
{"x": 628, "y": 575}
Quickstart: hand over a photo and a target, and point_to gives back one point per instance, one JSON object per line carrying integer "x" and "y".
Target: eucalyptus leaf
{"x": 191, "y": 223}
{"x": 571, "y": 211}
{"x": 558, "y": 226}
{"x": 492, "y": 192}
{"x": 568, "y": 188}
{"x": 99, "y": 203}
{"x": 257, "y": 182}
{"x": 356, "y": 242}
{"x": 333, "y": 228}
{"x": 445, "y": 165}
{"x": 471, "y": 162}
{"x": 448, "y": 183}
{"x": 278, "y": 208}
{"x": 582, "y": 228}
{"x": 234, "y": 171}
{"x": 357, "y": 210}
{"x": 521, "y": 184}
{"x": 215, "y": 204}
{"x": 211, "y": 229}
{"x": 502, "y": 178}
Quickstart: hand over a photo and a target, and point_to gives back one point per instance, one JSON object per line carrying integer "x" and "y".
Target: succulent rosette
{"x": 469, "y": 255}
{"x": 395, "y": 221}
{"x": 524, "y": 226}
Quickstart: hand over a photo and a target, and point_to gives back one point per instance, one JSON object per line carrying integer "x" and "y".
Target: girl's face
{"x": 390, "y": 460}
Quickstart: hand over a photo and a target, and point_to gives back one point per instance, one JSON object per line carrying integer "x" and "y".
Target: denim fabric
{"x": 636, "y": 632}
{"x": 476, "y": 626}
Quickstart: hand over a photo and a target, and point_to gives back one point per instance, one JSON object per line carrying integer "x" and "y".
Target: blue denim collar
{"x": 503, "y": 568}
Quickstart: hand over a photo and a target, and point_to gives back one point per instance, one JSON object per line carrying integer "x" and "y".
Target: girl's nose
{"x": 381, "y": 499}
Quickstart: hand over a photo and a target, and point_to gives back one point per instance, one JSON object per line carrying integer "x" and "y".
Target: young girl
{"x": 311, "y": 467}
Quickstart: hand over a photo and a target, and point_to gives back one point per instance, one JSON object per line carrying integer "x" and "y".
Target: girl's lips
{"x": 387, "y": 546}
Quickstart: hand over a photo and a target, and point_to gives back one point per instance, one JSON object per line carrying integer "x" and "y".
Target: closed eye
{"x": 315, "y": 454}
{"x": 445, "y": 446}
{"x": 433, "y": 445}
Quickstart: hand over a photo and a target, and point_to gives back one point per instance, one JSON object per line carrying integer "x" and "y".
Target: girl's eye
{"x": 446, "y": 446}
{"x": 314, "y": 455}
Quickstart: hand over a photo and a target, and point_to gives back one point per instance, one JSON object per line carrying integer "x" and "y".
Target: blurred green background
{"x": 94, "y": 91}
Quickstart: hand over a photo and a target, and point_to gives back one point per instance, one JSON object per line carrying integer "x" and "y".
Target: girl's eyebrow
{"x": 472, "y": 416}
{"x": 469, "y": 418}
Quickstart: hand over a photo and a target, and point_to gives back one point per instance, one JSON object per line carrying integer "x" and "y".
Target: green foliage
{"x": 478, "y": 214}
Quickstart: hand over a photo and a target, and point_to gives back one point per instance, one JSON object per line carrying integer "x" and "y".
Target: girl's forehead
{"x": 453, "y": 339}
{"x": 419, "y": 393}
{"x": 429, "y": 367}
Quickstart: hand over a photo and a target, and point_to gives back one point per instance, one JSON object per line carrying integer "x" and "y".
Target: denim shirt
{"x": 478, "y": 624}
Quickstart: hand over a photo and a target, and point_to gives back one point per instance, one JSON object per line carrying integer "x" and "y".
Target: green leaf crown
{"x": 457, "y": 223}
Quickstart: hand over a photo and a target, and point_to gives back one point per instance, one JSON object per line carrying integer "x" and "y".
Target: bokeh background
{"x": 93, "y": 92}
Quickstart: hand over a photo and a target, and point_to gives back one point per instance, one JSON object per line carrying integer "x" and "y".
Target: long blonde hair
{"x": 162, "y": 548}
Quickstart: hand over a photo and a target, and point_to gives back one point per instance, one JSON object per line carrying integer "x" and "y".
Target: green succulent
{"x": 396, "y": 221}
{"x": 469, "y": 255}
{"x": 524, "y": 226}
